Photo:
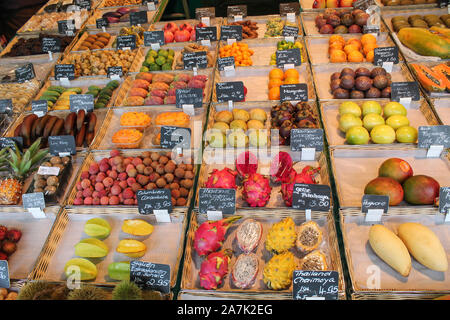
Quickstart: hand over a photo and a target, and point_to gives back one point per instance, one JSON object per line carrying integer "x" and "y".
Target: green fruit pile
{"x": 285, "y": 45}
{"x": 104, "y": 94}
{"x": 381, "y": 129}
{"x": 158, "y": 60}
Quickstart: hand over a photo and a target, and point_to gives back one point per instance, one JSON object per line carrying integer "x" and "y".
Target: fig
{"x": 377, "y": 71}
{"x": 380, "y": 82}
{"x": 354, "y": 28}
{"x": 348, "y": 72}
{"x": 326, "y": 29}
{"x": 340, "y": 94}
{"x": 356, "y": 94}
{"x": 362, "y": 72}
{"x": 347, "y": 82}
{"x": 373, "y": 93}
{"x": 363, "y": 83}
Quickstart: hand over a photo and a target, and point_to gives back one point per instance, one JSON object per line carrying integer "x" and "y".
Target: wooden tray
{"x": 220, "y": 159}
{"x": 112, "y": 125}
{"x": 354, "y": 168}
{"x": 322, "y": 74}
{"x": 190, "y": 281}
{"x": 256, "y": 80}
{"x": 419, "y": 114}
{"x": 317, "y": 46}
{"x": 164, "y": 245}
{"x": 34, "y": 24}
{"x": 422, "y": 283}
{"x": 76, "y": 46}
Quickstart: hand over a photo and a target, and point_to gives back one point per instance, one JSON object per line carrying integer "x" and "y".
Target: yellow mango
{"x": 130, "y": 246}
{"x": 88, "y": 270}
{"x": 424, "y": 245}
{"x": 97, "y": 227}
{"x": 137, "y": 227}
{"x": 91, "y": 248}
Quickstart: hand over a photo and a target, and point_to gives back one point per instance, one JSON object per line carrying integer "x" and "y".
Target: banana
{"x": 49, "y": 126}
{"x": 80, "y": 118}
{"x": 92, "y": 121}
{"x": 27, "y": 125}
{"x": 41, "y": 125}
{"x": 58, "y": 127}
{"x": 79, "y": 141}
{"x": 70, "y": 122}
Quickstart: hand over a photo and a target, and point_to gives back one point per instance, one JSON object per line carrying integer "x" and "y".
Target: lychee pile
{"x": 8, "y": 241}
{"x": 115, "y": 180}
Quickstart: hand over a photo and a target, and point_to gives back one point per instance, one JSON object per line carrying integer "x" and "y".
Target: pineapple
{"x": 281, "y": 236}
{"x": 277, "y": 274}
{"x": 19, "y": 166}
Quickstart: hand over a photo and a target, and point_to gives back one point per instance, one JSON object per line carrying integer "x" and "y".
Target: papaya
{"x": 443, "y": 70}
{"x": 425, "y": 43}
{"x": 431, "y": 81}
{"x": 443, "y": 31}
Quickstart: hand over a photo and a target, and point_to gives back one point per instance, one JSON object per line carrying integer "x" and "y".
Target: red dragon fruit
{"x": 281, "y": 168}
{"x": 307, "y": 176}
{"x": 256, "y": 190}
{"x": 223, "y": 179}
{"x": 214, "y": 268}
{"x": 210, "y": 235}
{"x": 246, "y": 164}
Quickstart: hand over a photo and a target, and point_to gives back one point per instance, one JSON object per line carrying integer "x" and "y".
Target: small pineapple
{"x": 19, "y": 166}
{"x": 277, "y": 274}
{"x": 281, "y": 236}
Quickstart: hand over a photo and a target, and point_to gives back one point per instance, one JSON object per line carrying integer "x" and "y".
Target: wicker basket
{"x": 422, "y": 282}
{"x": 190, "y": 282}
{"x": 441, "y": 108}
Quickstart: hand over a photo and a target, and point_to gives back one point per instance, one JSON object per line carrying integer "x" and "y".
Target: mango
{"x": 97, "y": 227}
{"x": 119, "y": 270}
{"x": 137, "y": 227}
{"x": 132, "y": 248}
{"x": 88, "y": 270}
{"x": 91, "y": 248}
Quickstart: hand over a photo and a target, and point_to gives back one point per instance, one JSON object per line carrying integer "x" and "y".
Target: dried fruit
{"x": 214, "y": 268}
{"x": 137, "y": 227}
{"x": 210, "y": 235}
{"x": 256, "y": 190}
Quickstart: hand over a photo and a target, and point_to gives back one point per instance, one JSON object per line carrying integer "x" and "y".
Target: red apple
{"x": 168, "y": 36}
{"x": 182, "y": 35}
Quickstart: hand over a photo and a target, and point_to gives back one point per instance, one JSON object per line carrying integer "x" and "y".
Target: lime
{"x": 382, "y": 134}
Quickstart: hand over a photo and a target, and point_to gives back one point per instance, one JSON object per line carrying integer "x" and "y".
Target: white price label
{"x": 230, "y": 105}
{"x": 435, "y": 151}
{"x": 206, "y": 21}
{"x": 406, "y": 102}
{"x": 162, "y": 215}
{"x": 229, "y": 71}
{"x": 290, "y": 17}
{"x": 308, "y": 154}
{"x": 230, "y": 41}
{"x": 37, "y": 213}
{"x": 388, "y": 66}
{"x": 206, "y": 42}
{"x": 289, "y": 66}
{"x": 155, "y": 46}
{"x": 308, "y": 214}
{"x": 48, "y": 171}
{"x": 64, "y": 82}
{"x": 188, "y": 109}
{"x": 374, "y": 215}
{"x": 237, "y": 18}
{"x": 214, "y": 215}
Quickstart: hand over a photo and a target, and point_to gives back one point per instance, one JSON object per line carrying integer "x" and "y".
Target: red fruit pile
{"x": 115, "y": 180}
{"x": 182, "y": 33}
{"x": 8, "y": 241}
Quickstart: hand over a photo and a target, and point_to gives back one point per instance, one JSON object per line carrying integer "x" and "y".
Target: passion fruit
{"x": 363, "y": 83}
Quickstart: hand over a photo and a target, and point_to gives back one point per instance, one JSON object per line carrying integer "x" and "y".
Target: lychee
{"x": 114, "y": 200}
{"x": 128, "y": 193}
{"x": 88, "y": 201}
{"x": 14, "y": 235}
{"x": 114, "y": 153}
{"x": 116, "y": 190}
{"x": 131, "y": 181}
{"x": 94, "y": 168}
{"x": 108, "y": 182}
{"x": 99, "y": 186}
{"x": 85, "y": 183}
{"x": 104, "y": 201}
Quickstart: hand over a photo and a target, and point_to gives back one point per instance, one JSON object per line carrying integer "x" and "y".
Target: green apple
{"x": 371, "y": 107}
{"x": 396, "y": 121}
{"x": 357, "y": 135}
{"x": 406, "y": 134}
{"x": 347, "y": 121}
{"x": 382, "y": 134}
{"x": 371, "y": 120}
{"x": 393, "y": 108}
{"x": 350, "y": 107}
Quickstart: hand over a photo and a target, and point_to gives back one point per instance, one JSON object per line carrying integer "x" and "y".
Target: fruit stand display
{"x": 393, "y": 124}
{"x": 261, "y": 249}
{"x": 427, "y": 43}
{"x": 48, "y": 22}
{"x": 183, "y": 30}
{"x": 441, "y": 107}
{"x": 421, "y": 273}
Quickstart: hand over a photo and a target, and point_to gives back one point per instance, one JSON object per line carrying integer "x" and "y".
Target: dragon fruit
{"x": 210, "y": 235}
{"x": 307, "y": 176}
{"x": 246, "y": 164}
{"x": 281, "y": 169}
{"x": 256, "y": 190}
{"x": 223, "y": 179}
{"x": 214, "y": 268}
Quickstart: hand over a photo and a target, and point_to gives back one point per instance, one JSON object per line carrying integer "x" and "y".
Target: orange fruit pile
{"x": 352, "y": 50}
{"x": 240, "y": 51}
{"x": 277, "y": 77}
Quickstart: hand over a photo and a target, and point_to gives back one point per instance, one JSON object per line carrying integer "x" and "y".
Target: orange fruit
{"x": 368, "y": 38}
{"x": 355, "y": 42}
{"x": 338, "y": 56}
{"x": 336, "y": 38}
{"x": 369, "y": 56}
{"x": 349, "y": 48}
{"x": 291, "y": 73}
{"x": 291, "y": 81}
{"x": 276, "y": 73}
{"x": 335, "y": 45}
{"x": 274, "y": 93}
{"x": 275, "y": 83}
{"x": 355, "y": 56}
{"x": 369, "y": 47}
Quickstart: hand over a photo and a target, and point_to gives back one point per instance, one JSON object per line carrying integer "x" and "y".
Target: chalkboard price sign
{"x": 102, "y": 22}
{"x": 156, "y": 199}
{"x": 175, "y": 137}
{"x": 124, "y": 42}
{"x": 62, "y": 145}
{"x": 81, "y": 102}
{"x": 25, "y": 73}
{"x": 190, "y": 96}
{"x": 195, "y": 60}
{"x": 206, "y": 33}
{"x": 66, "y": 27}
{"x": 209, "y": 12}
{"x": 289, "y": 31}
{"x": 213, "y": 199}
{"x": 239, "y": 10}
{"x": 115, "y": 71}
{"x": 314, "y": 197}
{"x": 385, "y": 54}
{"x": 153, "y": 37}
{"x": 231, "y": 32}
{"x": 289, "y": 7}
{"x": 444, "y": 200}
{"x": 289, "y": 56}
{"x": 33, "y": 200}
{"x": 150, "y": 276}
{"x": 225, "y": 62}
{"x": 315, "y": 284}
{"x": 434, "y": 135}
{"x": 374, "y": 202}
{"x": 139, "y": 17}
{"x": 4, "y": 274}
{"x": 405, "y": 90}
{"x": 39, "y": 107}
{"x": 230, "y": 91}
{"x": 65, "y": 71}
{"x": 10, "y": 142}
{"x": 6, "y": 106}
{"x": 306, "y": 138}
{"x": 51, "y": 44}
{"x": 294, "y": 92}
